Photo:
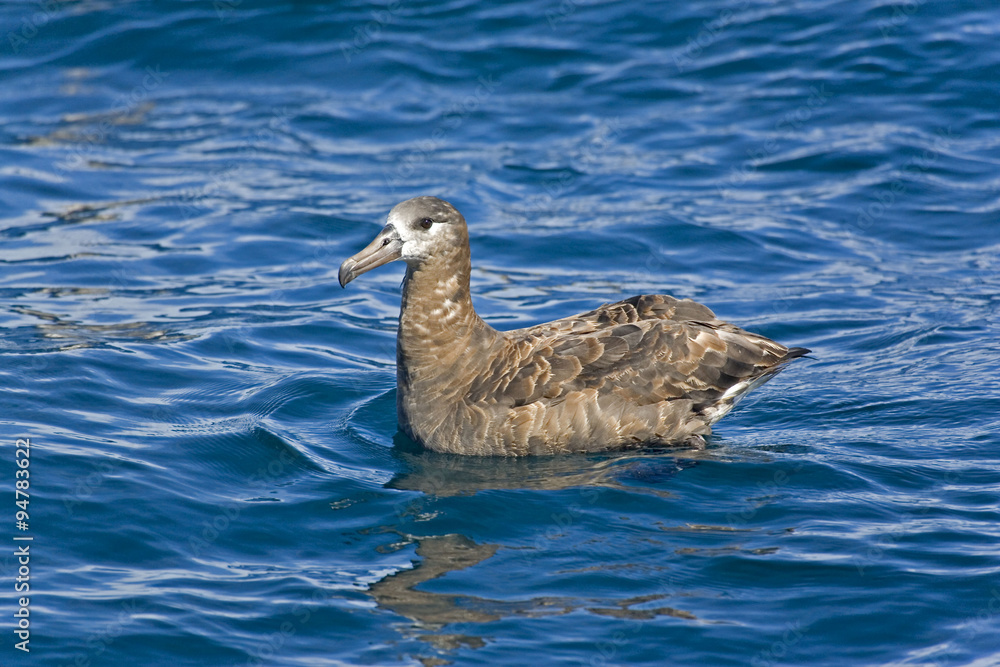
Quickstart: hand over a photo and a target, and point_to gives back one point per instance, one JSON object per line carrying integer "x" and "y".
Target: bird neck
{"x": 438, "y": 325}
{"x": 440, "y": 334}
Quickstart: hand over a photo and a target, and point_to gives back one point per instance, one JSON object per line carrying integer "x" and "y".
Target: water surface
{"x": 216, "y": 473}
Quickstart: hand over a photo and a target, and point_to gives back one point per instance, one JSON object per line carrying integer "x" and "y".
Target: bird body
{"x": 649, "y": 370}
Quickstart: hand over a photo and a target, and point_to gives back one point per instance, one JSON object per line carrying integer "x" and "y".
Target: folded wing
{"x": 637, "y": 352}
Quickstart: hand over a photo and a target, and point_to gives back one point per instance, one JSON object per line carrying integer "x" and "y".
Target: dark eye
{"x": 426, "y": 223}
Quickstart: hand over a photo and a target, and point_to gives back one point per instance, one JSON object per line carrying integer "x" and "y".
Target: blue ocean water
{"x": 216, "y": 476}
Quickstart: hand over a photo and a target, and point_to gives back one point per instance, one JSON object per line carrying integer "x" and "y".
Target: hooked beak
{"x": 385, "y": 248}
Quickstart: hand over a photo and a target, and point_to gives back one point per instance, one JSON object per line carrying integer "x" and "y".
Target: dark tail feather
{"x": 733, "y": 395}
{"x": 794, "y": 353}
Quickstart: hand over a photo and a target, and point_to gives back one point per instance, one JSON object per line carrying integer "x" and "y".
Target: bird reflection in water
{"x": 439, "y": 476}
{"x": 430, "y": 612}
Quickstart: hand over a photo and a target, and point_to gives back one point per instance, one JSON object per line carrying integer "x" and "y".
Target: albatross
{"x": 649, "y": 370}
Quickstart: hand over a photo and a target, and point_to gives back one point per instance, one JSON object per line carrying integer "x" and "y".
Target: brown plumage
{"x": 651, "y": 369}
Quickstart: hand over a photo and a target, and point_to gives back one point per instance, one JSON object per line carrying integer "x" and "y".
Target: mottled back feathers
{"x": 645, "y": 349}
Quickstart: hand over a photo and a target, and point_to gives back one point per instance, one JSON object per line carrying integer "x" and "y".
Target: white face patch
{"x": 420, "y": 243}
{"x": 427, "y": 227}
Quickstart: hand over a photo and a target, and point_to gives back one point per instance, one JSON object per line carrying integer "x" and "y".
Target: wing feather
{"x": 643, "y": 350}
